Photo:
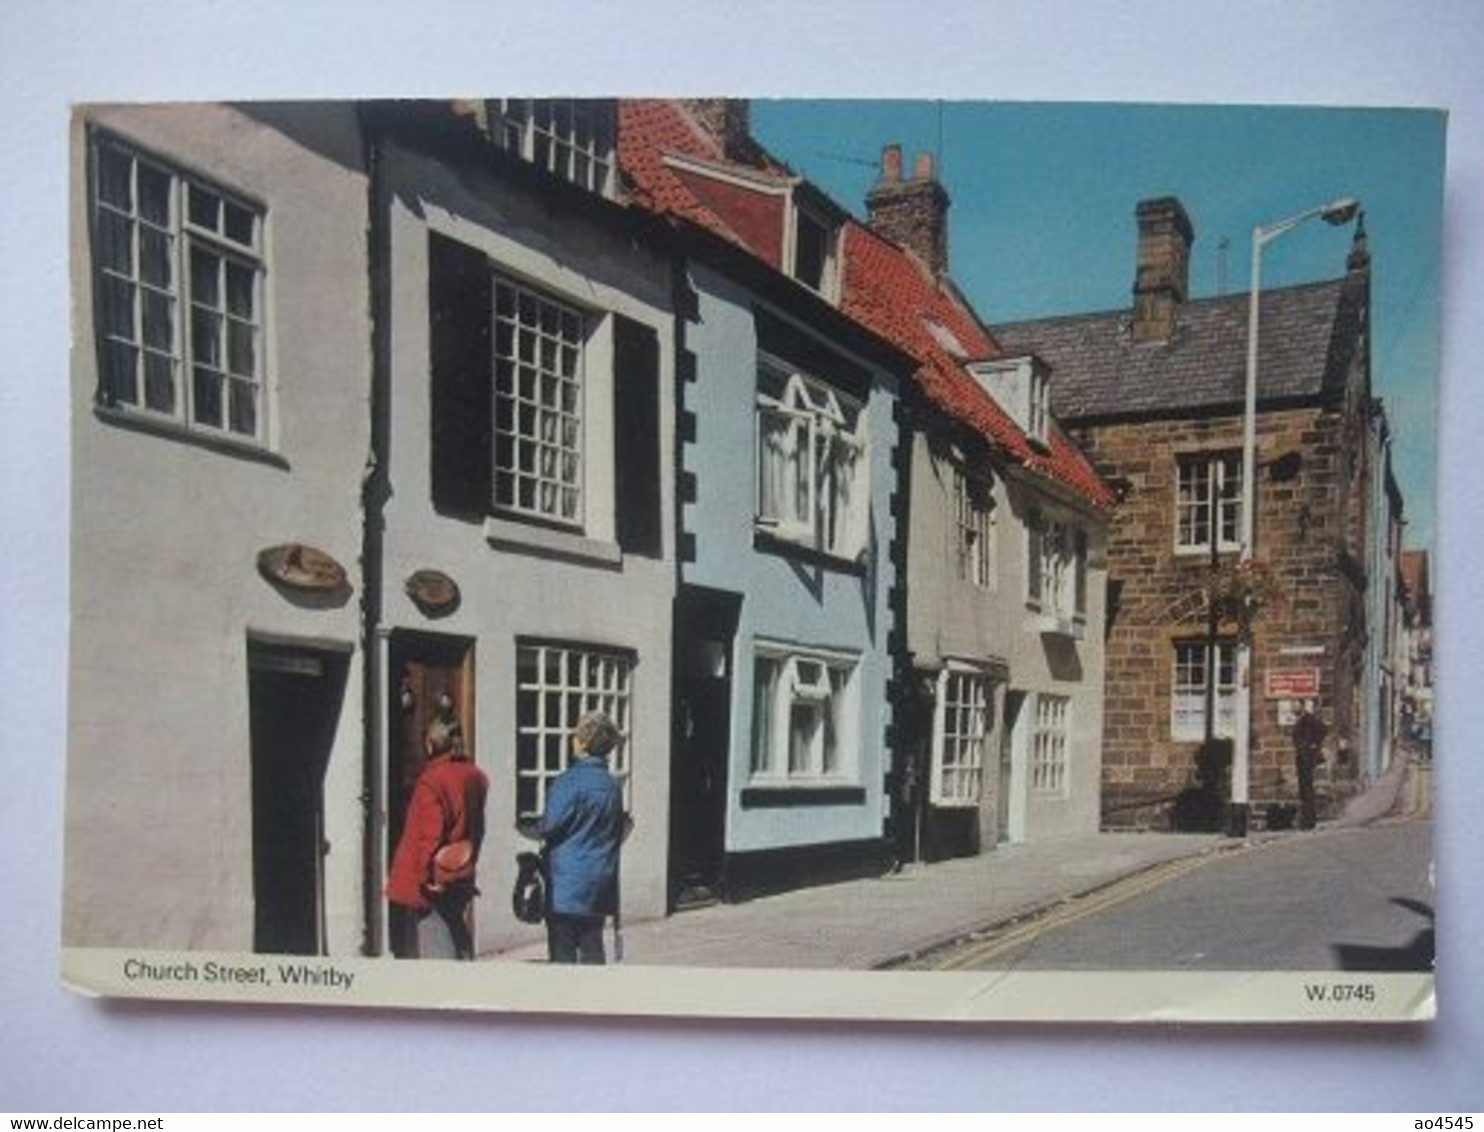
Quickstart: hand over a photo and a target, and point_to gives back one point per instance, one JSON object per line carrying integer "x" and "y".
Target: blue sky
{"x": 1042, "y": 219}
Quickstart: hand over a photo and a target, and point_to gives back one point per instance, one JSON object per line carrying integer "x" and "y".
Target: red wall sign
{"x": 1293, "y": 684}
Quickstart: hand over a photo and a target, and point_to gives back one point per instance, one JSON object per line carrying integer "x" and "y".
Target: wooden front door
{"x": 430, "y": 675}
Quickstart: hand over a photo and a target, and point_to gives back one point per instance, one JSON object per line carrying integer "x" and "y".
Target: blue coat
{"x": 583, "y": 826}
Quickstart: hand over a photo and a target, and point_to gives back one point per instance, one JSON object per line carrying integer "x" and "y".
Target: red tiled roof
{"x": 892, "y": 293}
{"x": 884, "y": 289}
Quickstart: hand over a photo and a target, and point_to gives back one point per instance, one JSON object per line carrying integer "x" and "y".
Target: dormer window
{"x": 811, "y": 252}
{"x": 571, "y": 138}
{"x": 1022, "y": 387}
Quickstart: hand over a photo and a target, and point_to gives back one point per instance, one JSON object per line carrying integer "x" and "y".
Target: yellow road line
{"x": 1076, "y": 908}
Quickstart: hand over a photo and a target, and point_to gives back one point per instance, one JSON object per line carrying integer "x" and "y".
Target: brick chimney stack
{"x": 1162, "y": 280}
{"x": 728, "y": 120}
{"x": 911, "y": 213}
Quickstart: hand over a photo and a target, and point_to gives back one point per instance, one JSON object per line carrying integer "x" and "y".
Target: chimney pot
{"x": 891, "y": 164}
{"x": 911, "y": 213}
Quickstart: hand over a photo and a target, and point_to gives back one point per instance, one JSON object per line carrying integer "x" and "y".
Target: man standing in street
{"x": 1308, "y": 741}
{"x": 583, "y": 827}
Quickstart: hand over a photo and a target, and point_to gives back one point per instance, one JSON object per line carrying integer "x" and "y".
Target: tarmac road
{"x": 1341, "y": 899}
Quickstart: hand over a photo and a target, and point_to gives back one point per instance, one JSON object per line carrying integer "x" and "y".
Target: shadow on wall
{"x": 1201, "y": 808}
{"x": 1062, "y": 657}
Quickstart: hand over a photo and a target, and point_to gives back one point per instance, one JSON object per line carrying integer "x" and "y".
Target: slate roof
{"x": 1309, "y": 335}
{"x": 884, "y": 289}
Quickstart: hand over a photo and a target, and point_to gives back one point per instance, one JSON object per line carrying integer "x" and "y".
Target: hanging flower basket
{"x": 1242, "y": 592}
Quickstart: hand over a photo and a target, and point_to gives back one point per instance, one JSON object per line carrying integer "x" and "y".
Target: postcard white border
{"x": 702, "y": 992}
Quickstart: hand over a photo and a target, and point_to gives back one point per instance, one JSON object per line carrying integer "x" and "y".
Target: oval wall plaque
{"x": 301, "y": 567}
{"x": 433, "y": 592}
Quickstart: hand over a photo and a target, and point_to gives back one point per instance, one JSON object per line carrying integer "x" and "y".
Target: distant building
{"x": 1417, "y": 603}
{"x": 1154, "y": 395}
{"x": 1386, "y": 636}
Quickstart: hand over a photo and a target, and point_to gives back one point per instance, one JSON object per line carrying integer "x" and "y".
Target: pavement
{"x": 892, "y": 919}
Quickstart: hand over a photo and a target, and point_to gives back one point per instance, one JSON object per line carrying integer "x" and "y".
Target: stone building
{"x": 1154, "y": 395}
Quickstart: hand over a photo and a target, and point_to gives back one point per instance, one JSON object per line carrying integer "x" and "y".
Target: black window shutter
{"x": 636, "y": 428}
{"x": 460, "y": 308}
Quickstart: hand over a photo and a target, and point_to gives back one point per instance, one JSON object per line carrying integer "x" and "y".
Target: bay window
{"x": 813, "y": 483}
{"x": 803, "y": 725}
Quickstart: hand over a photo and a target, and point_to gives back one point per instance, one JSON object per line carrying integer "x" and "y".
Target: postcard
{"x": 952, "y": 561}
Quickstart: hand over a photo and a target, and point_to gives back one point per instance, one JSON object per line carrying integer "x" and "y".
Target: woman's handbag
{"x": 453, "y": 862}
{"x": 528, "y": 900}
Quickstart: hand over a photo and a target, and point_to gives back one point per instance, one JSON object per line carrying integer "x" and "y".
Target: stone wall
{"x": 1309, "y": 528}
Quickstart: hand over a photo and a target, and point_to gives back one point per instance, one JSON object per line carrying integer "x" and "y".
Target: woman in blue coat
{"x": 583, "y": 826}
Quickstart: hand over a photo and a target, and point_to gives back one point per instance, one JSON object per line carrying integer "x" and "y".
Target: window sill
{"x": 224, "y": 444}
{"x": 1204, "y": 552}
{"x": 955, "y": 804}
{"x": 766, "y": 540}
{"x": 781, "y": 795}
{"x": 544, "y": 542}
{"x": 1055, "y": 625}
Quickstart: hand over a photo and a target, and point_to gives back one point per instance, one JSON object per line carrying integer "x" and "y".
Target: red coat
{"x": 447, "y": 805}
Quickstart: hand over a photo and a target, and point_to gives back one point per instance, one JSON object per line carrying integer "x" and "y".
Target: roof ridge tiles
{"x": 1231, "y": 298}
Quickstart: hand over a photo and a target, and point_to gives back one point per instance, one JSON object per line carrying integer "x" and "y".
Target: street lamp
{"x": 1336, "y": 212}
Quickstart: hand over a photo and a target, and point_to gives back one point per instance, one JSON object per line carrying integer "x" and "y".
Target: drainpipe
{"x": 682, "y": 301}
{"x": 375, "y": 490}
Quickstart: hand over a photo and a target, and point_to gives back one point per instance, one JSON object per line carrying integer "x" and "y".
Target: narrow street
{"x": 1354, "y": 899}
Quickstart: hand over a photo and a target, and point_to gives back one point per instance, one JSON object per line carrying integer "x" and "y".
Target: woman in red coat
{"x": 445, "y": 812}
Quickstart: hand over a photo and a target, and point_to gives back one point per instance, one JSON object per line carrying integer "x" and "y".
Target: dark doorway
{"x": 294, "y": 701}
{"x": 430, "y": 674}
{"x": 706, "y": 629}
{"x": 1009, "y": 729}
